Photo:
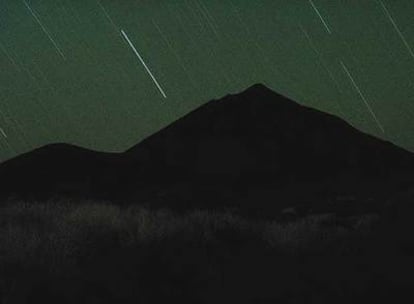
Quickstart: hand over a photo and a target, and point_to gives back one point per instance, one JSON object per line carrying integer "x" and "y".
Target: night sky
{"x": 105, "y": 74}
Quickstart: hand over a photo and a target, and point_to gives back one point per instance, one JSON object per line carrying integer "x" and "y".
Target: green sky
{"x": 67, "y": 74}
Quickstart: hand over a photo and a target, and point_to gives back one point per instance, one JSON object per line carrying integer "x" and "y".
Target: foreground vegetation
{"x": 96, "y": 252}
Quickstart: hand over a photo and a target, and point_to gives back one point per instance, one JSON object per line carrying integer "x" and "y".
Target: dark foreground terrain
{"x": 96, "y": 252}
{"x": 256, "y": 151}
{"x": 252, "y": 198}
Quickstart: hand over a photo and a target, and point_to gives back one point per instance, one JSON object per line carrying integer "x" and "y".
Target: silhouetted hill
{"x": 58, "y": 169}
{"x": 260, "y": 149}
{"x": 256, "y": 150}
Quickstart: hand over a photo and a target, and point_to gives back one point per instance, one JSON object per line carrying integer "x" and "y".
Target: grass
{"x": 135, "y": 253}
{"x": 62, "y": 232}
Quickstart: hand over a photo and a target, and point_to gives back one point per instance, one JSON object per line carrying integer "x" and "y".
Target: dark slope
{"x": 259, "y": 148}
{"x": 262, "y": 134}
{"x": 58, "y": 169}
{"x": 256, "y": 150}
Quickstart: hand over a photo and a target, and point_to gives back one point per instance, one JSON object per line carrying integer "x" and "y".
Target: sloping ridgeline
{"x": 256, "y": 152}
{"x": 79, "y": 226}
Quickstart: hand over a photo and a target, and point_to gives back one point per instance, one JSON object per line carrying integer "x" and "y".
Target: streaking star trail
{"x": 143, "y": 63}
{"x": 397, "y": 29}
{"x": 125, "y": 58}
{"x": 174, "y": 52}
{"x": 3, "y": 133}
{"x": 362, "y": 97}
{"x": 45, "y": 30}
{"x": 320, "y": 17}
{"x": 322, "y": 63}
{"x": 107, "y": 15}
{"x": 9, "y": 57}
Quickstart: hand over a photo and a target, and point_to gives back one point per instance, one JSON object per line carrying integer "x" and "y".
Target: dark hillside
{"x": 253, "y": 151}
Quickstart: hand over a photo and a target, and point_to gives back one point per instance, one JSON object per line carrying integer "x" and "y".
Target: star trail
{"x": 143, "y": 63}
{"x": 97, "y": 73}
{"x": 397, "y": 29}
{"x": 106, "y": 14}
{"x": 320, "y": 17}
{"x": 45, "y": 30}
{"x": 3, "y": 133}
{"x": 362, "y": 97}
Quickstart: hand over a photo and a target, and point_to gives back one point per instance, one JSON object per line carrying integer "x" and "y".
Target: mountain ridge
{"x": 258, "y": 86}
{"x": 232, "y": 151}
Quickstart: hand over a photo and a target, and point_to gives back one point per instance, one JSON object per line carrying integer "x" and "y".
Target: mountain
{"x": 57, "y": 169}
{"x": 256, "y": 151}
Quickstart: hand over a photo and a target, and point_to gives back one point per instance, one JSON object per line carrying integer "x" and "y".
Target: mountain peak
{"x": 268, "y": 132}
{"x": 258, "y": 87}
{"x": 242, "y": 142}
{"x": 261, "y": 90}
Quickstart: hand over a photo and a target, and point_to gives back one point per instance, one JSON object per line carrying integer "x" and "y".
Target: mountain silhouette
{"x": 255, "y": 151}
